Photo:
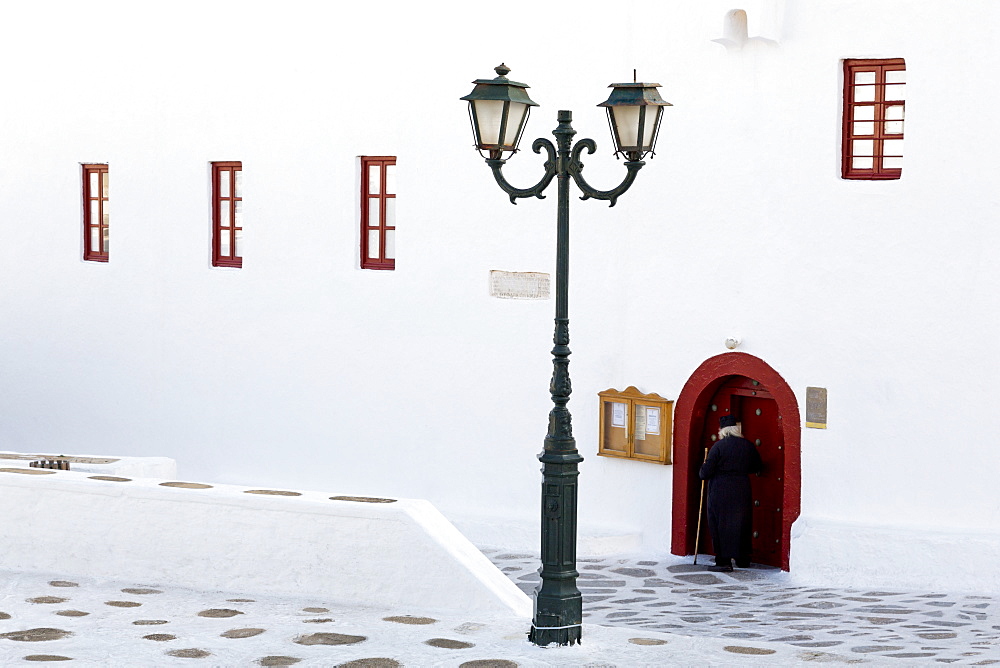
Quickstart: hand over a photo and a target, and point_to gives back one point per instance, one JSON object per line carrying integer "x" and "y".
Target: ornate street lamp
{"x": 499, "y": 110}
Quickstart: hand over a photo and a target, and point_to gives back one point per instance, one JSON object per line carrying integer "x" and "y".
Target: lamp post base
{"x": 559, "y": 635}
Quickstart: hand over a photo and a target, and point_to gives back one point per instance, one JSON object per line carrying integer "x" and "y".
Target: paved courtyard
{"x": 639, "y": 612}
{"x": 764, "y": 606}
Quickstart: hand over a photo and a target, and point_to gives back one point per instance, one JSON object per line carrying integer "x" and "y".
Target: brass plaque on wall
{"x": 816, "y": 407}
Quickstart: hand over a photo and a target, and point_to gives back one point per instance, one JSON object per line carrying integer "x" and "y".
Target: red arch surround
{"x": 689, "y": 414}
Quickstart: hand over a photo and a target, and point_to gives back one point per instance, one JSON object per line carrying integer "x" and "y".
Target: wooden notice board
{"x": 635, "y": 425}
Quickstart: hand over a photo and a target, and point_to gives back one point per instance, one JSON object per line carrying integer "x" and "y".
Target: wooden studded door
{"x": 754, "y": 407}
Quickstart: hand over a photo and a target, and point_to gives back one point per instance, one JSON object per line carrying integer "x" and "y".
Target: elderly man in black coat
{"x": 730, "y": 507}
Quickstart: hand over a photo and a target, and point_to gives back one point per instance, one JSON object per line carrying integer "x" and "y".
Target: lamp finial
{"x": 502, "y": 70}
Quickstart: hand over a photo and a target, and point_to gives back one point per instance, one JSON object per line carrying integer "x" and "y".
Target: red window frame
{"x": 95, "y": 212}
{"x": 874, "y": 106}
{"x": 378, "y": 212}
{"x": 227, "y": 214}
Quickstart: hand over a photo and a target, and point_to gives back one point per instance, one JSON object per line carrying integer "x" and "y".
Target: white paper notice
{"x": 617, "y": 415}
{"x": 640, "y": 423}
{"x": 652, "y": 420}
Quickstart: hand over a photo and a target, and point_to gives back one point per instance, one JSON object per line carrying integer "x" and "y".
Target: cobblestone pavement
{"x": 104, "y": 623}
{"x": 763, "y": 605}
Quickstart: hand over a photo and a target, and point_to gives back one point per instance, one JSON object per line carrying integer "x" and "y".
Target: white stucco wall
{"x": 302, "y": 368}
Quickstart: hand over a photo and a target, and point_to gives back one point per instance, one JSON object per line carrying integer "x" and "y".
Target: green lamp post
{"x": 499, "y": 110}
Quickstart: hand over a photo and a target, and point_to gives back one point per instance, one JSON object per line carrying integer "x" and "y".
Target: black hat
{"x": 727, "y": 421}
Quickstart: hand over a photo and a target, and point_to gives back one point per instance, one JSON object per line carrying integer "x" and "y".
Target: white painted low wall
{"x": 402, "y": 555}
{"x": 136, "y": 467}
{"x": 862, "y": 555}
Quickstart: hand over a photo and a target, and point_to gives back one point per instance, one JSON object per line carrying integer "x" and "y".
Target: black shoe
{"x": 721, "y": 569}
{"x": 743, "y": 564}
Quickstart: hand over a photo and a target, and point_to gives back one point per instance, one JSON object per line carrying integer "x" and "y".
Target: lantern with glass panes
{"x": 499, "y": 111}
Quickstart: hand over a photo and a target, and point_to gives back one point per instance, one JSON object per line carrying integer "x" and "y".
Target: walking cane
{"x": 701, "y": 502}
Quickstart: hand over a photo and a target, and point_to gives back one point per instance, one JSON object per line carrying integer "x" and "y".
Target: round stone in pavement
{"x": 46, "y": 657}
{"x": 70, "y": 613}
{"x": 241, "y": 633}
{"x": 186, "y": 485}
{"x": 4, "y": 615}
{"x": 37, "y": 635}
{"x": 240, "y": 600}
{"x": 150, "y": 622}
{"x": 446, "y": 643}
{"x": 647, "y": 641}
{"x": 46, "y": 599}
{"x": 488, "y": 663}
{"x": 634, "y": 572}
{"x": 141, "y": 590}
{"x": 278, "y": 661}
{"x": 739, "y": 649}
{"x": 321, "y": 620}
{"x": 219, "y": 612}
{"x": 314, "y": 610}
{"x": 109, "y": 478}
{"x": 329, "y": 639}
{"x": 866, "y": 649}
{"x": 272, "y": 492}
{"x": 160, "y": 637}
{"x": 123, "y": 604}
{"x": 192, "y": 653}
{"x": 700, "y": 578}
{"x": 407, "y": 619}
{"x": 63, "y": 583}
{"x": 376, "y": 662}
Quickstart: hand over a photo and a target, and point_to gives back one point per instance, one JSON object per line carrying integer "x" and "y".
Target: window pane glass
{"x": 895, "y": 76}
{"x": 95, "y": 212}
{"x": 238, "y": 175}
{"x": 373, "y": 211}
{"x": 95, "y": 240}
{"x": 863, "y": 147}
{"x": 864, "y": 93}
{"x": 864, "y": 113}
{"x": 514, "y": 116}
{"x": 864, "y": 77}
{"x": 894, "y": 112}
{"x": 892, "y": 163}
{"x": 94, "y": 188}
{"x": 627, "y": 123}
{"x": 239, "y": 213}
{"x": 105, "y": 214}
{"x": 892, "y": 147}
{"x": 390, "y": 179}
{"x": 373, "y": 244}
{"x": 489, "y": 113}
{"x": 104, "y": 184}
{"x": 374, "y": 179}
{"x": 864, "y": 128}
{"x": 224, "y": 242}
{"x": 895, "y": 92}
{"x": 390, "y": 244}
{"x": 390, "y": 212}
{"x": 239, "y": 243}
{"x": 223, "y": 183}
{"x": 224, "y": 214}
{"x": 861, "y": 163}
{"x": 106, "y": 237}
{"x": 894, "y": 127}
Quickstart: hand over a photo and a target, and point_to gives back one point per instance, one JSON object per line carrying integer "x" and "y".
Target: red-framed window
{"x": 874, "y": 102}
{"x": 378, "y": 212}
{"x": 227, "y": 214}
{"x": 95, "y": 212}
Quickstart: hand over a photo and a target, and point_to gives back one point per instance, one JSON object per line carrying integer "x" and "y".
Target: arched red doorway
{"x": 733, "y": 377}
